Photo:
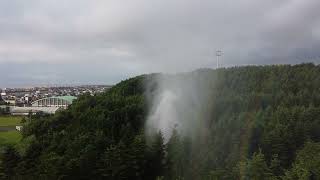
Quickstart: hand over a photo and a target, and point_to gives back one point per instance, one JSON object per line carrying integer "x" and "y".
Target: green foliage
{"x": 10, "y": 159}
{"x": 257, "y": 168}
{"x": 2, "y": 102}
{"x": 275, "y": 166}
{"x": 175, "y": 156}
{"x": 307, "y": 164}
{"x": 155, "y": 166}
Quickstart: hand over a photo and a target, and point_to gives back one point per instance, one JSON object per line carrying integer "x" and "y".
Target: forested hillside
{"x": 264, "y": 124}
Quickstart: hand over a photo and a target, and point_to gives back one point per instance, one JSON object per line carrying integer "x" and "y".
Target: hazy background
{"x": 78, "y": 42}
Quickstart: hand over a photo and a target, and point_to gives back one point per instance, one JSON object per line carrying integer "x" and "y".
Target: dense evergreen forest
{"x": 265, "y": 124}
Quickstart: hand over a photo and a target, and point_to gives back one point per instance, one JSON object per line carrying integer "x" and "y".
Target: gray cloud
{"x": 105, "y": 41}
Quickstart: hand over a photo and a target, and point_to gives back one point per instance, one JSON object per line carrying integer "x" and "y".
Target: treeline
{"x": 3, "y": 110}
{"x": 2, "y": 102}
{"x": 264, "y": 124}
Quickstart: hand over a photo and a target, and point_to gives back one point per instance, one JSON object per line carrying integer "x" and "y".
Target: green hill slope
{"x": 265, "y": 121}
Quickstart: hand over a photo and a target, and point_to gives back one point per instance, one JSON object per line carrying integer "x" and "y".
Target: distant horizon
{"x": 53, "y": 85}
{"x": 124, "y": 78}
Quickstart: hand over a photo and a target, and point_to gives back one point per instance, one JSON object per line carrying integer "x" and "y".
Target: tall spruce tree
{"x": 156, "y": 157}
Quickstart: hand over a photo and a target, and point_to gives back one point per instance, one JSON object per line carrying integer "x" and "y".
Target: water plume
{"x": 178, "y": 101}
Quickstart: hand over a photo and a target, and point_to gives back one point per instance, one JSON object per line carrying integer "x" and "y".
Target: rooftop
{"x": 49, "y": 110}
{"x": 67, "y": 98}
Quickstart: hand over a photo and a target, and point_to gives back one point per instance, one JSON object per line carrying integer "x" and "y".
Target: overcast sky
{"x": 45, "y": 42}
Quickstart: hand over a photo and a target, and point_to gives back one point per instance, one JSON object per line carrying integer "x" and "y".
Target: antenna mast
{"x": 218, "y": 55}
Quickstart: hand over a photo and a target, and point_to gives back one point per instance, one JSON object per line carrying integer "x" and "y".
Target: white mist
{"x": 179, "y": 101}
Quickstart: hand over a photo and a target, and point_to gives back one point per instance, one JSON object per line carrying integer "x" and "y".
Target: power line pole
{"x": 218, "y": 55}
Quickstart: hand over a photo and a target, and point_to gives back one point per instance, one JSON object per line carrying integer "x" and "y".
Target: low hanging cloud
{"x": 116, "y": 39}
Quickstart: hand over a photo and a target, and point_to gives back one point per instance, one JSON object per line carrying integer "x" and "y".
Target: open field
{"x": 8, "y": 133}
{"x": 10, "y": 120}
{"x": 9, "y": 137}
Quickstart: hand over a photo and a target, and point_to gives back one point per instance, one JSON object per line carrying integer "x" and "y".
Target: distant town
{"x": 26, "y": 96}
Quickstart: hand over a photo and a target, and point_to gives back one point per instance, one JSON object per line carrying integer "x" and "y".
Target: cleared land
{"x": 9, "y": 137}
{"x": 10, "y": 120}
{"x": 8, "y": 133}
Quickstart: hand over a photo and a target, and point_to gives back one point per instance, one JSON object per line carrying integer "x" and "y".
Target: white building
{"x": 24, "y": 111}
{"x": 56, "y": 101}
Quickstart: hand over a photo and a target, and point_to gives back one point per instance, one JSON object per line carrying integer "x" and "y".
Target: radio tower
{"x": 218, "y": 55}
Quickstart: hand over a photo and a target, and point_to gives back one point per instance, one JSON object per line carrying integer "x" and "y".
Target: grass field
{"x": 12, "y": 136}
{"x": 9, "y": 137}
{"x": 10, "y": 120}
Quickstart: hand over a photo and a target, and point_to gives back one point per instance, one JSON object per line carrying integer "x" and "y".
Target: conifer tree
{"x": 156, "y": 157}
{"x": 10, "y": 160}
{"x": 257, "y": 167}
